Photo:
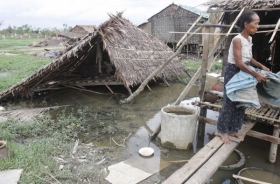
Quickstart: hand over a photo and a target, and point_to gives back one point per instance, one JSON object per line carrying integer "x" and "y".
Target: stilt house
{"x": 117, "y": 53}
{"x": 175, "y": 18}
{"x": 266, "y": 43}
{"x": 203, "y": 165}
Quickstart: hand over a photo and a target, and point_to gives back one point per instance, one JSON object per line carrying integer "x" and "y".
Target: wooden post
{"x": 274, "y": 32}
{"x": 128, "y": 89}
{"x": 109, "y": 89}
{"x": 187, "y": 51}
{"x": 225, "y": 54}
{"x": 198, "y": 50}
{"x": 204, "y": 66}
{"x": 273, "y": 147}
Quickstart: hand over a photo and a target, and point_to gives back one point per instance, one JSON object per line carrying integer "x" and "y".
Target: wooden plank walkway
{"x": 205, "y": 162}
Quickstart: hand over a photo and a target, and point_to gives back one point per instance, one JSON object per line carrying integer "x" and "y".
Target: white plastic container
{"x": 178, "y": 125}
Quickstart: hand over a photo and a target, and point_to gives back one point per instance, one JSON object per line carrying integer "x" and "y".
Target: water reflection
{"x": 140, "y": 118}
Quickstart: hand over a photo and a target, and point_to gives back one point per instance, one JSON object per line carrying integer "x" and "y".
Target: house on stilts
{"x": 116, "y": 53}
{"x": 175, "y": 18}
{"x": 266, "y": 42}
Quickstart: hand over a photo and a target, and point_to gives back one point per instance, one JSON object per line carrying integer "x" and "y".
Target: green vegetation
{"x": 40, "y": 147}
{"x": 11, "y": 43}
{"x": 35, "y": 143}
{"x": 28, "y": 29}
{"x": 192, "y": 66}
{"x": 13, "y": 68}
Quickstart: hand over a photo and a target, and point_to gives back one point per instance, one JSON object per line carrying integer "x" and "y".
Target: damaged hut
{"x": 117, "y": 53}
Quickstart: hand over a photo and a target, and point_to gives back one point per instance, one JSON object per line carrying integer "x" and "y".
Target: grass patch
{"x": 192, "y": 66}
{"x": 13, "y": 42}
{"x": 16, "y": 67}
{"x": 34, "y": 144}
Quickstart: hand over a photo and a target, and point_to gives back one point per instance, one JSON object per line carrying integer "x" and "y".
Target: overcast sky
{"x": 55, "y": 13}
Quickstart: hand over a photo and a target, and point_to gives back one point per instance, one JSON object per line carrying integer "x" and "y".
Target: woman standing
{"x": 239, "y": 57}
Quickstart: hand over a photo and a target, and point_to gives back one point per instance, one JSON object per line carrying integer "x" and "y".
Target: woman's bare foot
{"x": 225, "y": 138}
{"x": 236, "y": 134}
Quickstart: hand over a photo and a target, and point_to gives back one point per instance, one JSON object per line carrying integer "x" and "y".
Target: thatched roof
{"x": 134, "y": 53}
{"x": 88, "y": 28}
{"x": 70, "y": 35}
{"x": 238, "y": 4}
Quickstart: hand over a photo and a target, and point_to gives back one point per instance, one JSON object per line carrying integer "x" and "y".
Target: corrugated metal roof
{"x": 195, "y": 10}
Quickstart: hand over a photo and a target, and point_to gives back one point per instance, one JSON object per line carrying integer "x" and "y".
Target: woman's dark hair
{"x": 245, "y": 17}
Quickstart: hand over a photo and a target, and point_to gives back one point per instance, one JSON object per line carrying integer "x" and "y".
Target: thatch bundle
{"x": 239, "y": 4}
{"x": 134, "y": 53}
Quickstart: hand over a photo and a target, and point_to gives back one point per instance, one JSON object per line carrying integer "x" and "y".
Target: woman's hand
{"x": 260, "y": 77}
{"x": 265, "y": 68}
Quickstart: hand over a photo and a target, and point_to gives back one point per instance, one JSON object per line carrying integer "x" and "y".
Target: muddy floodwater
{"x": 140, "y": 118}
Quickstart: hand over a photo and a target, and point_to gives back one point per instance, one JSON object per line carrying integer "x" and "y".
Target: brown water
{"x": 140, "y": 118}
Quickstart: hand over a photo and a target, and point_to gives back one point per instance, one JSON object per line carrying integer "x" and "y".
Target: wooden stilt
{"x": 198, "y": 50}
{"x": 187, "y": 51}
{"x": 110, "y": 89}
{"x": 129, "y": 90}
{"x": 204, "y": 66}
{"x": 165, "y": 82}
{"x": 273, "y": 147}
{"x": 274, "y": 32}
{"x": 149, "y": 88}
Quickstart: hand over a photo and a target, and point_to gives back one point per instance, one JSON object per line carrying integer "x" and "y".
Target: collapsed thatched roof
{"x": 134, "y": 53}
{"x": 238, "y": 4}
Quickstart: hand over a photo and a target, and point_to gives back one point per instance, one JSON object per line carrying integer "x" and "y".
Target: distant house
{"x": 174, "y": 18}
{"x": 146, "y": 26}
{"x": 76, "y": 33}
{"x": 83, "y": 29}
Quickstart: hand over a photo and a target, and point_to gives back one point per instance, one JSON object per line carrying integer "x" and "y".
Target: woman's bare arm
{"x": 240, "y": 64}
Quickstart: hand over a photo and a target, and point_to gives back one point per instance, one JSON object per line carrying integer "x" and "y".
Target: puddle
{"x": 5, "y": 74}
{"x": 259, "y": 174}
{"x": 136, "y": 121}
{"x": 7, "y": 54}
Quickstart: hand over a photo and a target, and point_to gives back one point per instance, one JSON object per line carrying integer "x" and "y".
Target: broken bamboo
{"x": 249, "y": 179}
{"x": 275, "y": 30}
